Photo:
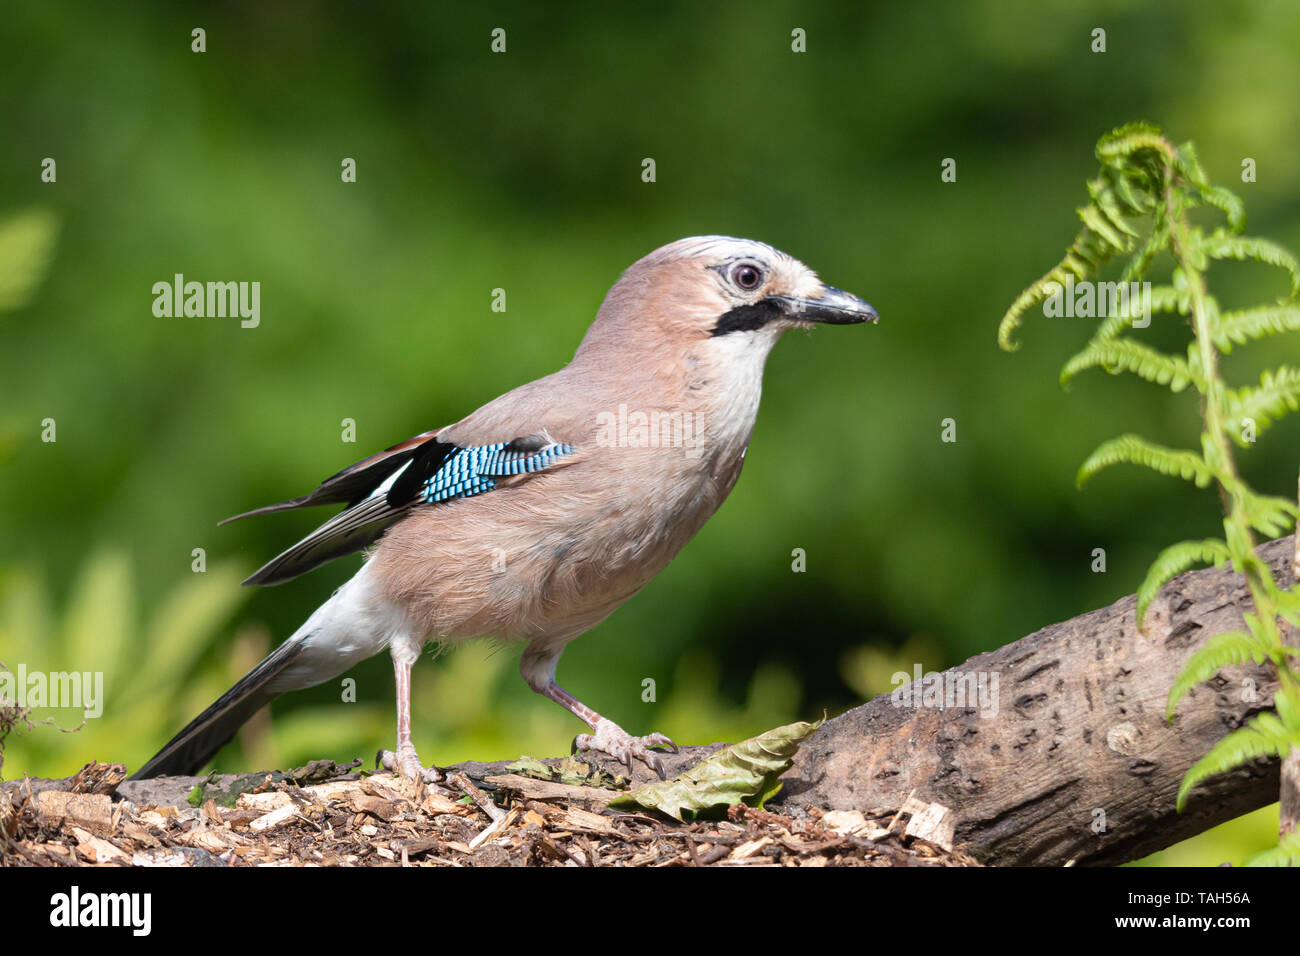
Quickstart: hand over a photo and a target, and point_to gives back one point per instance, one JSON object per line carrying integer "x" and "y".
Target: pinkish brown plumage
{"x": 539, "y": 514}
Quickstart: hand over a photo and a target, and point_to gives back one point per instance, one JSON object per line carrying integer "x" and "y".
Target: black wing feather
{"x": 365, "y": 519}
{"x": 381, "y": 489}
{"x": 355, "y": 482}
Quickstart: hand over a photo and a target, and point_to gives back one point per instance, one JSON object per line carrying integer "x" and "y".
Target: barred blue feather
{"x": 472, "y": 471}
{"x": 382, "y": 488}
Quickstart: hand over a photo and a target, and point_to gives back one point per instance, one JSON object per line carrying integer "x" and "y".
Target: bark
{"x": 1077, "y": 765}
{"x": 1288, "y": 817}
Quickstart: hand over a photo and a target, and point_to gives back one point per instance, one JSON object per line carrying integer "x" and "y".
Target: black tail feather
{"x": 191, "y": 749}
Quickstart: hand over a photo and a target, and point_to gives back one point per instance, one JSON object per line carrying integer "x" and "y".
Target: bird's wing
{"x": 382, "y": 488}
{"x": 354, "y": 482}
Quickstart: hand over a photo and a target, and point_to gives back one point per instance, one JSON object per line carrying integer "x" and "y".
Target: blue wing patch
{"x": 472, "y": 471}
{"x": 435, "y": 472}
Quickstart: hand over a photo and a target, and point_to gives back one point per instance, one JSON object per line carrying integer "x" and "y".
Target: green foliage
{"x": 746, "y": 772}
{"x": 1122, "y": 354}
{"x": 1135, "y": 450}
{"x": 1222, "y": 650}
{"x": 89, "y": 638}
{"x": 1174, "y": 560}
{"x": 1286, "y": 853}
{"x": 1263, "y": 736}
{"x": 1147, "y": 185}
{"x": 1244, "y": 325}
{"x": 26, "y": 246}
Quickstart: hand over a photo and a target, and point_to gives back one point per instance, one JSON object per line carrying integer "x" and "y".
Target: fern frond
{"x": 1103, "y": 226}
{"x": 1139, "y": 263}
{"x": 1222, "y": 650}
{"x": 1270, "y": 515}
{"x": 1262, "y": 737}
{"x": 1174, "y": 560}
{"x": 1188, "y": 165}
{"x": 1277, "y": 393}
{"x": 1241, "y": 326}
{"x": 1220, "y": 245}
{"x": 1127, "y": 355}
{"x": 1109, "y": 206}
{"x": 1164, "y": 298}
{"x": 1288, "y": 604}
{"x": 1286, "y": 853}
{"x": 1227, "y": 202}
{"x": 1138, "y": 451}
{"x": 1286, "y": 707}
{"x": 1120, "y": 145}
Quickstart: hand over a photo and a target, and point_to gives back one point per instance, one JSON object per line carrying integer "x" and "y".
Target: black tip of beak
{"x": 835, "y": 307}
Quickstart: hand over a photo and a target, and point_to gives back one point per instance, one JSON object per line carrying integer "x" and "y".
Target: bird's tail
{"x": 191, "y": 749}
{"x": 352, "y": 625}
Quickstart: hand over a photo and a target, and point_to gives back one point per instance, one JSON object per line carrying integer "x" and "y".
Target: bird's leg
{"x": 406, "y": 761}
{"x": 609, "y": 737}
{"x": 538, "y": 668}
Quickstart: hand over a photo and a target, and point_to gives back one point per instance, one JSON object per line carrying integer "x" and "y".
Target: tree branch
{"x": 1077, "y": 764}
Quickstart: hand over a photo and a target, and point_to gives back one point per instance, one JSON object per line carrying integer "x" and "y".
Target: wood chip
{"x": 495, "y": 829}
{"x": 273, "y": 819}
{"x": 589, "y": 798}
{"x": 95, "y": 849}
{"x": 386, "y": 810}
{"x": 93, "y": 810}
{"x": 935, "y": 824}
{"x": 263, "y": 802}
{"x": 746, "y": 850}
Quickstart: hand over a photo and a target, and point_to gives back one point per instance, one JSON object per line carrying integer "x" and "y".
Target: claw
{"x": 613, "y": 740}
{"x": 408, "y": 765}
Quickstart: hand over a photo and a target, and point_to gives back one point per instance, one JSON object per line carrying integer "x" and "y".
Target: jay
{"x": 533, "y": 519}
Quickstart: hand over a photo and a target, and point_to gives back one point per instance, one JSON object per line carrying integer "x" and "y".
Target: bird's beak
{"x": 834, "y": 307}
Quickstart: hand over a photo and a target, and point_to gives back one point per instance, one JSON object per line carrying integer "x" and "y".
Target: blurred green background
{"x": 523, "y": 171}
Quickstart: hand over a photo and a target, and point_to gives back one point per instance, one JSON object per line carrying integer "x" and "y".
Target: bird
{"x": 536, "y": 516}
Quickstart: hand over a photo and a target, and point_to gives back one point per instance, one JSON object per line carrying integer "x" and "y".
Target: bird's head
{"x": 720, "y": 289}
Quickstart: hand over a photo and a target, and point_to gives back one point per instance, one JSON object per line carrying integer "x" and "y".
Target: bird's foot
{"x": 407, "y": 763}
{"x": 613, "y": 740}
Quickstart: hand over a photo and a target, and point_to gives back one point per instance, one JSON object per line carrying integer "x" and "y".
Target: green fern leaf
{"x": 1164, "y": 298}
{"x": 1133, "y": 191}
{"x": 1262, "y": 737}
{"x": 1286, "y": 853}
{"x": 1138, "y": 451}
{"x": 1126, "y": 355}
{"x": 1228, "y": 203}
{"x": 1220, "y": 245}
{"x": 1241, "y": 326}
{"x": 1031, "y": 297}
{"x": 1141, "y": 261}
{"x": 1174, "y": 560}
{"x": 1288, "y": 711}
{"x": 1222, "y": 650}
{"x": 1269, "y": 519}
{"x": 1098, "y": 222}
{"x": 1117, "y": 146}
{"x": 1271, "y": 515}
{"x": 1277, "y": 393}
{"x": 1188, "y": 164}
{"x": 1109, "y": 205}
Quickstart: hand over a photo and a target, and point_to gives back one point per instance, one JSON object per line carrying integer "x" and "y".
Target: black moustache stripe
{"x": 747, "y": 318}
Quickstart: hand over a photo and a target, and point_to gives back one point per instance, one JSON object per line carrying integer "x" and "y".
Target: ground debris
{"x": 386, "y": 820}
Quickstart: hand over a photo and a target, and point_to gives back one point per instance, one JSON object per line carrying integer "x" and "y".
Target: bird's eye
{"x": 746, "y": 276}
